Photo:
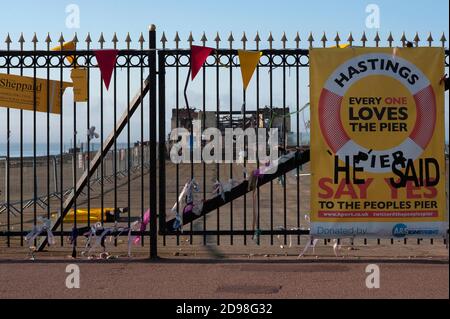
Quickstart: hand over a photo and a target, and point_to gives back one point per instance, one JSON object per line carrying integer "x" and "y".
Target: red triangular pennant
{"x": 106, "y": 60}
{"x": 198, "y": 57}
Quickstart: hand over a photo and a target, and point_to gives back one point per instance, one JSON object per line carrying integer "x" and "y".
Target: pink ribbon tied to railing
{"x": 145, "y": 221}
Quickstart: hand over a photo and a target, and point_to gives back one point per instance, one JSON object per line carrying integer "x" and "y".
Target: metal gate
{"x": 50, "y": 173}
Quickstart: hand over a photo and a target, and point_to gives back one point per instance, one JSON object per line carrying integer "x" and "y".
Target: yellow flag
{"x": 67, "y": 46}
{"x": 249, "y": 60}
{"x": 79, "y": 78}
{"x": 341, "y": 46}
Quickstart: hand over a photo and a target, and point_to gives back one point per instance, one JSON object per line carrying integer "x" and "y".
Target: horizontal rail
{"x": 31, "y": 53}
{"x": 69, "y": 233}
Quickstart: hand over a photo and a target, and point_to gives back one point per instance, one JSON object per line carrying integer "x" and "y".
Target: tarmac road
{"x": 229, "y": 278}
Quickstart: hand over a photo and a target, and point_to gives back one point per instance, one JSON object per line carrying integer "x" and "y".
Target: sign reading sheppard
{"x": 377, "y": 142}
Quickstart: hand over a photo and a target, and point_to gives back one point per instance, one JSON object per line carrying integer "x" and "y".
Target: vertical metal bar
{"x": 34, "y": 136}
{"x": 201, "y": 146}
{"x": 74, "y": 155}
{"x": 102, "y": 168}
{"x": 258, "y": 219}
{"x": 48, "y": 133}
{"x": 284, "y": 181}
{"x": 88, "y": 120}
{"x": 231, "y": 126}
{"x": 153, "y": 149}
{"x": 141, "y": 68}
{"x": 61, "y": 139}
{"x": 21, "y": 160}
{"x": 162, "y": 103}
{"x": 7, "y": 163}
{"x": 297, "y": 106}
{"x": 128, "y": 141}
{"x": 217, "y": 126}
{"x": 271, "y": 116}
{"x": 162, "y": 139}
{"x": 244, "y": 109}
{"x": 177, "y": 105}
{"x": 115, "y": 170}
{"x": 191, "y": 154}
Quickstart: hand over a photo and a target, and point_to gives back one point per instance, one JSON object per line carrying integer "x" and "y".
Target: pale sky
{"x": 29, "y": 16}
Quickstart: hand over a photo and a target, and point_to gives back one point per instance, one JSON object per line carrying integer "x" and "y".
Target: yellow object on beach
{"x": 82, "y": 215}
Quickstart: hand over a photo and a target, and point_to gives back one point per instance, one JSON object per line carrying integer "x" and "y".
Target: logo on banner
{"x": 400, "y": 230}
{"x": 381, "y": 119}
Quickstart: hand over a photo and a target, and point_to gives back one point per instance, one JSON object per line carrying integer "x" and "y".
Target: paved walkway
{"x": 226, "y": 278}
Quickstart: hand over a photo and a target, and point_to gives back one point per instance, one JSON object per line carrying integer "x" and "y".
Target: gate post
{"x": 153, "y": 148}
{"x": 162, "y": 141}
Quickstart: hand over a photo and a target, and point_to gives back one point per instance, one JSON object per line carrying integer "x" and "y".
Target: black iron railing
{"x": 52, "y": 168}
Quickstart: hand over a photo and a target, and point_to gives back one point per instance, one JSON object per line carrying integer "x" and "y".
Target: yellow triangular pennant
{"x": 248, "y": 60}
{"x": 341, "y": 46}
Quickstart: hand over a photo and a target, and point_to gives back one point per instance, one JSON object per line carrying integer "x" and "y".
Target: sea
{"x": 54, "y": 149}
{"x": 41, "y": 148}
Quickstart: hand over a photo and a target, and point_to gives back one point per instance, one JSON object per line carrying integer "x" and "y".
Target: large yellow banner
{"x": 377, "y": 142}
{"x": 18, "y": 92}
